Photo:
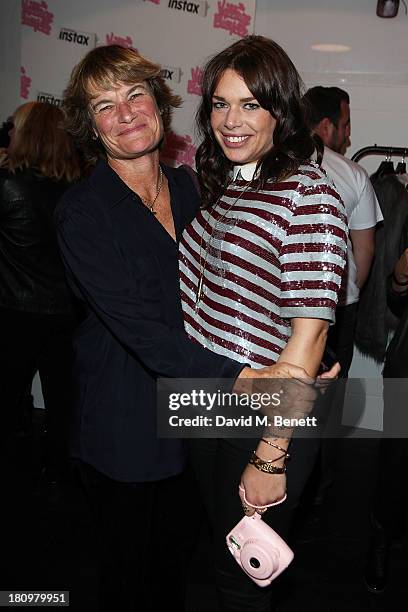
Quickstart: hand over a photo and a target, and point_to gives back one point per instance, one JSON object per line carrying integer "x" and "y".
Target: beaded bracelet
{"x": 266, "y": 466}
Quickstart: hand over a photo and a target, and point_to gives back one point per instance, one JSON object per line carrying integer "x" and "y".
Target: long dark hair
{"x": 274, "y": 81}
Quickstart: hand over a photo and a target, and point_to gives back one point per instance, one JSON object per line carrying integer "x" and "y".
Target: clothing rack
{"x": 380, "y": 150}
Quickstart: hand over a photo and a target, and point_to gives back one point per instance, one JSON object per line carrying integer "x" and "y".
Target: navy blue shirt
{"x": 123, "y": 265}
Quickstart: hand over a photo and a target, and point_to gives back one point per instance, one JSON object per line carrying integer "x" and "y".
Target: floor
{"x": 49, "y": 544}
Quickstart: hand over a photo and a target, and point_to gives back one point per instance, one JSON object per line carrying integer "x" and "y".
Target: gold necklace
{"x": 202, "y": 264}
{"x": 150, "y": 205}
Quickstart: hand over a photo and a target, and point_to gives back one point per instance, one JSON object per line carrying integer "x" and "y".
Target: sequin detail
{"x": 275, "y": 255}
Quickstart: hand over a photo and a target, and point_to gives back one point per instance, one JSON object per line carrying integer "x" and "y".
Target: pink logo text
{"x": 232, "y": 17}
{"x": 179, "y": 149}
{"x": 114, "y": 39}
{"x": 25, "y": 84}
{"x": 194, "y": 84}
{"x": 37, "y": 16}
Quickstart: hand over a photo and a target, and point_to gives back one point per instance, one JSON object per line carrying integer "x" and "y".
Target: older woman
{"x": 118, "y": 234}
{"x": 261, "y": 268}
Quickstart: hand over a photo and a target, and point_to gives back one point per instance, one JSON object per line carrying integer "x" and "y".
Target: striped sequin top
{"x": 265, "y": 257}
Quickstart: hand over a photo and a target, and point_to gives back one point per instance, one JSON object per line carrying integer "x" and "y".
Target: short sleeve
{"x": 367, "y": 213}
{"x": 313, "y": 252}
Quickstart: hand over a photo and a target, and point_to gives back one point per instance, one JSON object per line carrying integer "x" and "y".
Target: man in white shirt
{"x": 330, "y": 119}
{"x": 329, "y": 109}
{"x": 363, "y": 214}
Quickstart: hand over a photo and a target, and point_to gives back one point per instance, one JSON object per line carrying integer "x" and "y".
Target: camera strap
{"x": 242, "y": 489}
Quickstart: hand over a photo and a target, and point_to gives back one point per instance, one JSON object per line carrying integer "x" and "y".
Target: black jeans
{"x": 218, "y": 465}
{"x": 31, "y": 341}
{"x": 391, "y": 491}
{"x": 341, "y": 341}
{"x": 341, "y": 336}
{"x": 146, "y": 534}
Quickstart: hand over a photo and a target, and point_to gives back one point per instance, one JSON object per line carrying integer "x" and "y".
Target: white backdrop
{"x": 373, "y": 69}
{"x": 178, "y": 34}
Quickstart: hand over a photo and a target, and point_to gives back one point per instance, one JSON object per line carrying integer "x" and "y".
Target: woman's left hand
{"x": 260, "y": 489}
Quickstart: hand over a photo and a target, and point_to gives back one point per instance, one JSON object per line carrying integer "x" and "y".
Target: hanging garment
{"x": 375, "y": 320}
{"x": 384, "y": 169}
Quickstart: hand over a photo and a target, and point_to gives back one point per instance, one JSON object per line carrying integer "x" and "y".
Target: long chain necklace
{"x": 150, "y": 205}
{"x": 203, "y": 264}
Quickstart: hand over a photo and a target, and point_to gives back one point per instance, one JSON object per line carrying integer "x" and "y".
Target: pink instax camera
{"x": 258, "y": 549}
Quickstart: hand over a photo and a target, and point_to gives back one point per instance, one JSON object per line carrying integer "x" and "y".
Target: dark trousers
{"x": 31, "y": 341}
{"x": 391, "y": 493}
{"x": 218, "y": 465}
{"x": 146, "y": 534}
{"x": 341, "y": 336}
{"x": 341, "y": 341}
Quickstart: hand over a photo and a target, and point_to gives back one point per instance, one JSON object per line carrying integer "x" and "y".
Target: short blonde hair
{"x": 100, "y": 69}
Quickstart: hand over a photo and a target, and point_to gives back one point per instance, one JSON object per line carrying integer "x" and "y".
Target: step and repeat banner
{"x": 178, "y": 34}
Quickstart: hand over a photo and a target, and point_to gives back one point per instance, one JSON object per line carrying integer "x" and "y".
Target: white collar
{"x": 247, "y": 171}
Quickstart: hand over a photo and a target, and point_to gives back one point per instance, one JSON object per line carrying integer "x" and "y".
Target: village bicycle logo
{"x": 36, "y": 15}
{"x": 122, "y": 41}
{"x": 195, "y": 8}
{"x": 86, "y": 39}
{"x": 25, "y": 84}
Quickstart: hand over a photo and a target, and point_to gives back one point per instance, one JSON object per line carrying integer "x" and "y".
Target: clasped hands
{"x": 297, "y": 393}
{"x": 286, "y": 390}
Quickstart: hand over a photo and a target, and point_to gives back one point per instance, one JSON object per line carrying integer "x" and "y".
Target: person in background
{"x": 388, "y": 520}
{"x": 261, "y": 267}
{"x": 4, "y": 139}
{"x": 329, "y": 118}
{"x": 118, "y": 233}
{"x": 36, "y": 309}
{"x": 25, "y": 408}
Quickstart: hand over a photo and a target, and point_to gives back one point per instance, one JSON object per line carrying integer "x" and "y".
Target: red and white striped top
{"x": 265, "y": 257}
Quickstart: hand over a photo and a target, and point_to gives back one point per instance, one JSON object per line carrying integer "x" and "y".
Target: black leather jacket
{"x": 32, "y": 277}
{"x": 396, "y": 359}
{"x": 375, "y": 318}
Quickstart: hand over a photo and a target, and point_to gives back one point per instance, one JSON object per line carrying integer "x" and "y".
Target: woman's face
{"x": 127, "y": 120}
{"x": 243, "y": 129}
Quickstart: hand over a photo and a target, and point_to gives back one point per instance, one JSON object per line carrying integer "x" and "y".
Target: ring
{"x": 245, "y": 508}
{"x": 261, "y": 510}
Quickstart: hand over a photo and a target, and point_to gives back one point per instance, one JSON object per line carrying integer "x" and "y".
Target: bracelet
{"x": 405, "y": 284}
{"x": 285, "y": 452}
{"x": 279, "y": 501}
{"x": 266, "y": 466}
